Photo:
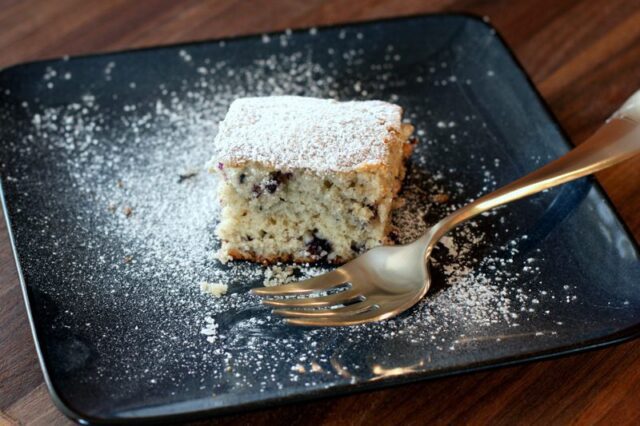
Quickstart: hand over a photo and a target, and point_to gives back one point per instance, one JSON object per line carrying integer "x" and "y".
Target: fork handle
{"x": 617, "y": 140}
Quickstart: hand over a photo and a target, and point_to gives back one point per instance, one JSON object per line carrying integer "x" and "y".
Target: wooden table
{"x": 584, "y": 57}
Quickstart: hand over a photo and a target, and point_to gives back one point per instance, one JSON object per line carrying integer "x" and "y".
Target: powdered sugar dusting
{"x": 130, "y": 232}
{"x": 317, "y": 134}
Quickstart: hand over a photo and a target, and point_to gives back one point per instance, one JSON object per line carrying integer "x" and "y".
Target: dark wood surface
{"x": 584, "y": 56}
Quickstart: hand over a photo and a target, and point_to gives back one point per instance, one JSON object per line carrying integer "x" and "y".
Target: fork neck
{"x": 615, "y": 141}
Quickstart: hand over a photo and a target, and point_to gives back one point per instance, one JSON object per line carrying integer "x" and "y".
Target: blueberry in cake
{"x": 306, "y": 179}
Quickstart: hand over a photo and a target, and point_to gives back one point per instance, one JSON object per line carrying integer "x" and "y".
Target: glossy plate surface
{"x": 112, "y": 217}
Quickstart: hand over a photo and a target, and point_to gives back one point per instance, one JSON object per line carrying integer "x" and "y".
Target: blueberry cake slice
{"x": 306, "y": 179}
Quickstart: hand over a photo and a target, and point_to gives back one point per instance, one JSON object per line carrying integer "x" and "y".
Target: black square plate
{"x": 112, "y": 218}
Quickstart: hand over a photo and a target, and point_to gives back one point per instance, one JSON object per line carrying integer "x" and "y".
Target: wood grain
{"x": 583, "y": 57}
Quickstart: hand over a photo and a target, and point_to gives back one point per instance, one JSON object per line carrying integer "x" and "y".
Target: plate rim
{"x": 615, "y": 338}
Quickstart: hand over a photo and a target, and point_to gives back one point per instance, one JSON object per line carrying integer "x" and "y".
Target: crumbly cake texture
{"x": 214, "y": 289}
{"x": 306, "y": 179}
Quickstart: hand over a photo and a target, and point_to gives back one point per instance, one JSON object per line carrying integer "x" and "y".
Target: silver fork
{"x": 386, "y": 281}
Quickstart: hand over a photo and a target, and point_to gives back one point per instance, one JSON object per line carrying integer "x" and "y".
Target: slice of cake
{"x": 305, "y": 179}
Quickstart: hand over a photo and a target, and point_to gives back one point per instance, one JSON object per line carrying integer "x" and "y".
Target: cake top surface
{"x": 322, "y": 135}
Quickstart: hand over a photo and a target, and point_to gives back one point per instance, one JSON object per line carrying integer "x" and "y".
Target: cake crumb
{"x": 214, "y": 289}
{"x": 222, "y": 256}
{"x": 450, "y": 245}
{"x": 440, "y": 198}
{"x": 277, "y": 275}
{"x": 398, "y": 202}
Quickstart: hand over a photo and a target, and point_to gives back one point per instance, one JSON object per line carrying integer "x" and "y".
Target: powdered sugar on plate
{"x": 132, "y": 226}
